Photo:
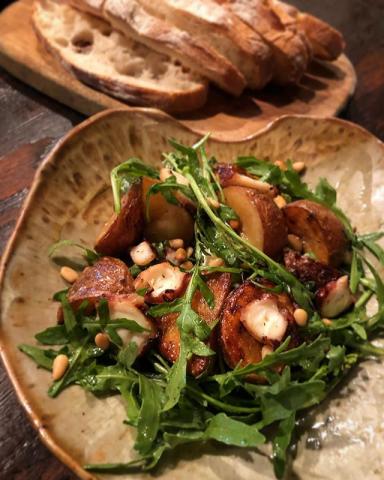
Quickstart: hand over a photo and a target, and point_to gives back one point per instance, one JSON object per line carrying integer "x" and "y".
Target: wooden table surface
{"x": 31, "y": 123}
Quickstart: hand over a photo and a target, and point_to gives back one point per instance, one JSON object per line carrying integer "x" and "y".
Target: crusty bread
{"x": 326, "y": 42}
{"x": 290, "y": 54}
{"x": 129, "y": 17}
{"x": 215, "y": 25}
{"x": 108, "y": 61}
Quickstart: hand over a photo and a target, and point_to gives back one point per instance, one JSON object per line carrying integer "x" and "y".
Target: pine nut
{"x": 327, "y": 322}
{"x": 189, "y": 252}
{"x": 280, "y": 164}
{"x": 301, "y": 317}
{"x": 142, "y": 254}
{"x": 176, "y": 243}
{"x": 59, "y": 367}
{"x": 299, "y": 167}
{"x": 187, "y": 265}
{"x": 180, "y": 255}
{"x": 266, "y": 350}
{"x": 295, "y": 242}
{"x": 215, "y": 262}
{"x": 280, "y": 201}
{"x": 102, "y": 341}
{"x": 235, "y": 224}
{"x": 69, "y": 274}
{"x": 212, "y": 202}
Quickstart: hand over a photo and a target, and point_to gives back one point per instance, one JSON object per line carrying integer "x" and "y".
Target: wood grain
{"x": 323, "y": 91}
{"x": 31, "y": 122}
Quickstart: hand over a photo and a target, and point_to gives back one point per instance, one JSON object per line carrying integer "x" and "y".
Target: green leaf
{"x": 165, "y": 308}
{"x": 90, "y": 255}
{"x": 355, "y": 275}
{"x": 336, "y": 357}
{"x": 149, "y": 416}
{"x": 43, "y": 358}
{"x": 360, "y": 330}
{"x": 281, "y": 443}
{"x": 103, "y": 312}
{"x": 69, "y": 315}
{"x": 128, "y": 354}
{"x": 325, "y": 192}
{"x": 56, "y": 335}
{"x": 232, "y": 432}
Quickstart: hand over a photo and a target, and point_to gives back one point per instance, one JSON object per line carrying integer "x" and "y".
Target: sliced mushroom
{"x": 108, "y": 276}
{"x": 166, "y": 221}
{"x": 121, "y": 306}
{"x": 169, "y": 342}
{"x": 126, "y": 228}
{"x": 164, "y": 282}
{"x": 334, "y": 298}
{"x": 253, "y": 317}
{"x": 262, "y": 222}
{"x": 321, "y": 231}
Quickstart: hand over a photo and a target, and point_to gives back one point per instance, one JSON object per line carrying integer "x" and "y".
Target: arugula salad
{"x": 220, "y": 301}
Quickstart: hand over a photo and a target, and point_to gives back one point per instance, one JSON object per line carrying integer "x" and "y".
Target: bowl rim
{"x": 46, "y": 438}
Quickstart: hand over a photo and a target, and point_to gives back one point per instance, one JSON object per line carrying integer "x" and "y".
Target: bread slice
{"x": 130, "y": 18}
{"x": 107, "y": 61}
{"x": 212, "y": 23}
{"x": 326, "y": 42}
{"x": 290, "y": 54}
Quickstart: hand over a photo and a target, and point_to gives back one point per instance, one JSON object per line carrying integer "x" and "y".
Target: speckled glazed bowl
{"x": 70, "y": 198}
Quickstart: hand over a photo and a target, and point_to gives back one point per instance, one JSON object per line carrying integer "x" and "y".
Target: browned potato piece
{"x": 169, "y": 344}
{"x": 108, "y": 276}
{"x": 166, "y": 221}
{"x": 319, "y": 228}
{"x": 126, "y": 228}
{"x": 245, "y": 326}
{"x": 262, "y": 222}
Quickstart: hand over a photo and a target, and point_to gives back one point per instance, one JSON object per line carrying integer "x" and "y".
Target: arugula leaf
{"x": 128, "y": 354}
{"x": 43, "y": 358}
{"x": 56, "y": 335}
{"x": 90, "y": 255}
{"x": 232, "y": 432}
{"x": 281, "y": 443}
{"x": 148, "y": 421}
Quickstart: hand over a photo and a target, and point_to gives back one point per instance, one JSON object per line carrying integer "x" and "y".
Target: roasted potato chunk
{"x": 253, "y": 317}
{"x": 126, "y": 228}
{"x": 321, "y": 231}
{"x": 166, "y": 221}
{"x": 262, "y": 222}
{"x": 169, "y": 342}
{"x": 108, "y": 276}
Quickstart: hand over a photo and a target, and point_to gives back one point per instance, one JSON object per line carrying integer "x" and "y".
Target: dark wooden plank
{"x": 30, "y": 124}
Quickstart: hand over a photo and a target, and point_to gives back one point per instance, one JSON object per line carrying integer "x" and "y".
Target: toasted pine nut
{"x": 212, "y": 202}
{"x": 280, "y": 201}
{"x": 59, "y": 367}
{"x": 327, "y": 322}
{"x": 280, "y": 164}
{"x": 299, "y": 167}
{"x": 142, "y": 254}
{"x": 215, "y": 262}
{"x": 69, "y": 274}
{"x": 176, "y": 243}
{"x": 102, "y": 341}
{"x": 266, "y": 350}
{"x": 180, "y": 255}
{"x": 301, "y": 317}
{"x": 235, "y": 224}
{"x": 189, "y": 252}
{"x": 188, "y": 265}
{"x": 295, "y": 242}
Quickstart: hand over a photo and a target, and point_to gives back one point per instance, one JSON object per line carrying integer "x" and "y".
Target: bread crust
{"x": 131, "y": 90}
{"x": 227, "y": 33}
{"x": 291, "y": 56}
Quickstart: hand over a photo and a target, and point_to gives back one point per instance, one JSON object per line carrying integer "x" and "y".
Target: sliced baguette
{"x": 326, "y": 42}
{"x": 215, "y": 25}
{"x": 107, "y": 61}
{"x": 290, "y": 54}
{"x": 130, "y": 18}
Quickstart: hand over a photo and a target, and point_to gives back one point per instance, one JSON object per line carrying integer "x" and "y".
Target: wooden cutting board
{"x": 324, "y": 91}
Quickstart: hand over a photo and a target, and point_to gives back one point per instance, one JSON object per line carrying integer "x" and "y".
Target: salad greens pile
{"x": 166, "y": 406}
